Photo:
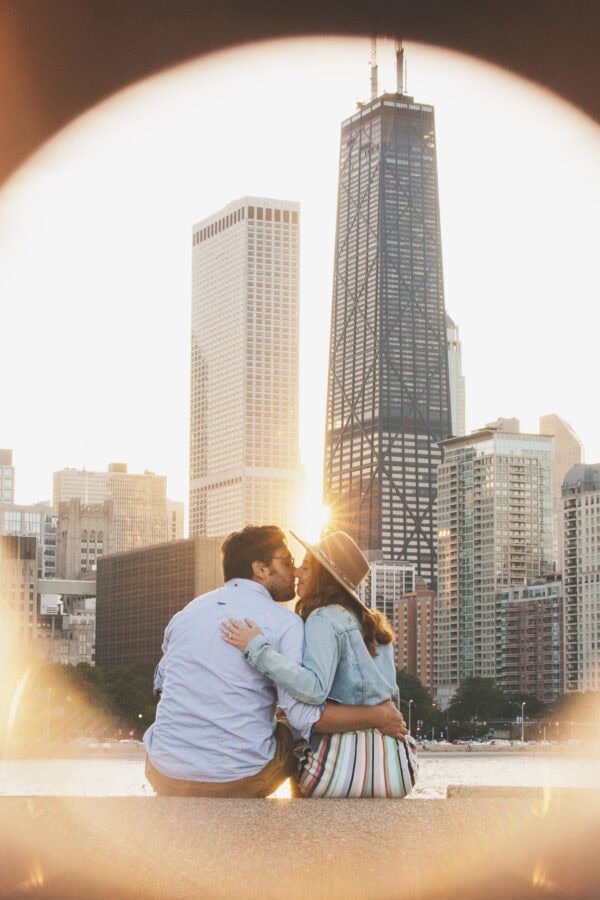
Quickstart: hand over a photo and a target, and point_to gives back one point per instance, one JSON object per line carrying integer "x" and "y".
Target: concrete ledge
{"x": 161, "y": 847}
{"x": 499, "y": 792}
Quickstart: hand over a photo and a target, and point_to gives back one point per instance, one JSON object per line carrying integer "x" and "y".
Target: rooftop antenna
{"x": 373, "y": 65}
{"x": 400, "y": 69}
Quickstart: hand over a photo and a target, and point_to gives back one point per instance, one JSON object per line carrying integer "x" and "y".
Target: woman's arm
{"x": 310, "y": 685}
{"x": 385, "y": 717}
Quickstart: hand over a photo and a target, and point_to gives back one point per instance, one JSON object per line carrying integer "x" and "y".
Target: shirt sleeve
{"x": 390, "y": 670}
{"x": 159, "y": 672}
{"x": 301, "y": 716}
{"x": 310, "y": 682}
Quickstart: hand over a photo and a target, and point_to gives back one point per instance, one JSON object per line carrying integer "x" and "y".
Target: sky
{"x": 95, "y": 248}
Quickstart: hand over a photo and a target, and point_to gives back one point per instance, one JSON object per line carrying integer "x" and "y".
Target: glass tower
{"x": 388, "y": 400}
{"x": 244, "y": 451}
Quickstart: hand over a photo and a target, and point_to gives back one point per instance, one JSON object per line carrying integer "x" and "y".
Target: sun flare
{"x": 313, "y": 516}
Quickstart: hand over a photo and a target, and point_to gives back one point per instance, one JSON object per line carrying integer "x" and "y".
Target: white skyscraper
{"x": 244, "y": 456}
{"x": 456, "y": 378}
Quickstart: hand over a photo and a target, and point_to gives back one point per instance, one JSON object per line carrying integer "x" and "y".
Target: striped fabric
{"x": 359, "y": 764}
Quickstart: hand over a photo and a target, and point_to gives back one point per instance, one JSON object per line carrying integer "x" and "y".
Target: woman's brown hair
{"x": 326, "y": 591}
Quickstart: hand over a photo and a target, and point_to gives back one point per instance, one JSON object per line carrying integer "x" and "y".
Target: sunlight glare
{"x": 16, "y": 700}
{"x": 313, "y": 517}
{"x": 283, "y": 792}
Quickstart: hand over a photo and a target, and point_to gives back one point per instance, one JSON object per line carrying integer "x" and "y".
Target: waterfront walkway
{"x": 476, "y": 844}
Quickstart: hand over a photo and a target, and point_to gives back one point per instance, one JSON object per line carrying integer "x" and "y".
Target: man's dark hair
{"x": 253, "y": 543}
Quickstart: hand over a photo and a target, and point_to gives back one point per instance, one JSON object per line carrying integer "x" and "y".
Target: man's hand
{"x": 392, "y": 720}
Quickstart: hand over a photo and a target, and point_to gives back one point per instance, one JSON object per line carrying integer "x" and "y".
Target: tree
{"x": 422, "y": 709}
{"x": 478, "y": 698}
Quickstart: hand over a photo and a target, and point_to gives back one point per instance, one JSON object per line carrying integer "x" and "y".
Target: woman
{"x": 348, "y": 658}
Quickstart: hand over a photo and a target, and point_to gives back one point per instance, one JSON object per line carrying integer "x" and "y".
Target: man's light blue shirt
{"x": 215, "y": 720}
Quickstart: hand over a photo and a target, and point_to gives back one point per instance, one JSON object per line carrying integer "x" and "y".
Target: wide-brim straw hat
{"x": 342, "y": 557}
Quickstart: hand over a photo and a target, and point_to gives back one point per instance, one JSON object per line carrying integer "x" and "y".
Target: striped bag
{"x": 359, "y": 764}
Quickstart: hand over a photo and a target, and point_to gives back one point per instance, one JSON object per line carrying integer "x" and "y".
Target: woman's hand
{"x": 237, "y": 634}
{"x": 391, "y": 720}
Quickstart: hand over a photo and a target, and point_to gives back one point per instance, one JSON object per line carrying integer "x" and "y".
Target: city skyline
{"x": 518, "y": 248}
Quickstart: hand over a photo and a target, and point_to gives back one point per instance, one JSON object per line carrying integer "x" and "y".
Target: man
{"x": 215, "y": 733}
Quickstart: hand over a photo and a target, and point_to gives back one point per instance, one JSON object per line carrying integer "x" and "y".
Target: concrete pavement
{"x": 473, "y": 846}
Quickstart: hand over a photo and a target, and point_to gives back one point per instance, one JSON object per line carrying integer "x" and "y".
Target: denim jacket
{"x": 336, "y": 663}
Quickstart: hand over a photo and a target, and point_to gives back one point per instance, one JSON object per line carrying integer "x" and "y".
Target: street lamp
{"x": 523, "y": 722}
{"x": 408, "y": 703}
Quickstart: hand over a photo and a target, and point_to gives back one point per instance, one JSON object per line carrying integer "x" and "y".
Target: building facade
{"x": 456, "y": 378}
{"x": 495, "y": 531}
{"x": 138, "y": 506}
{"x": 7, "y": 477}
{"x": 66, "y": 622}
{"x": 244, "y": 450}
{"x": 388, "y": 403}
{"x": 40, "y": 521}
{"x": 175, "y": 520}
{"x": 138, "y": 592}
{"x": 18, "y": 592}
{"x": 581, "y": 577}
{"x": 567, "y": 451}
{"x": 529, "y": 640}
{"x": 387, "y": 581}
{"x": 415, "y": 634}
{"x": 85, "y": 535}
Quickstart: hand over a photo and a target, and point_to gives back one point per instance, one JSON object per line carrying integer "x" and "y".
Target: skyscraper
{"x": 244, "y": 453}
{"x": 567, "y": 451}
{"x": 581, "y": 574}
{"x": 388, "y": 403}
{"x": 456, "y": 378}
{"x": 495, "y": 532}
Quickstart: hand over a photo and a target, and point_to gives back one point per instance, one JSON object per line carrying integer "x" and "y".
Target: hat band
{"x": 342, "y": 575}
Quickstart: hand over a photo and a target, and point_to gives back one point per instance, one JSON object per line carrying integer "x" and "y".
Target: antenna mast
{"x": 400, "y": 69}
{"x": 373, "y": 65}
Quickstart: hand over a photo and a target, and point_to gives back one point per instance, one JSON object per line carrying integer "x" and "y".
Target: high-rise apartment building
{"x": 581, "y": 577}
{"x": 415, "y": 634}
{"x": 7, "y": 477}
{"x": 244, "y": 451}
{"x": 529, "y": 639}
{"x": 567, "y": 451}
{"x": 138, "y": 503}
{"x": 494, "y": 532}
{"x": 388, "y": 404}
{"x": 456, "y": 378}
{"x": 387, "y": 581}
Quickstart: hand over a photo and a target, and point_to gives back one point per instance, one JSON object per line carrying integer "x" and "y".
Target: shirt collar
{"x": 248, "y": 585}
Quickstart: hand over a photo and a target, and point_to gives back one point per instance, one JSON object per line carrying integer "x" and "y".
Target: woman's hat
{"x": 342, "y": 557}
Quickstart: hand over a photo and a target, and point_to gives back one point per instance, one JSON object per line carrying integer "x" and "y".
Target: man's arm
{"x": 338, "y": 717}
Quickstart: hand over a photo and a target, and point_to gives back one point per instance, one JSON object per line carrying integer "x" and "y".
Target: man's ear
{"x": 258, "y": 570}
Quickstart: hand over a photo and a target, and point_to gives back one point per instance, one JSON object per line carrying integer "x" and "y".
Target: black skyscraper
{"x": 388, "y": 395}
